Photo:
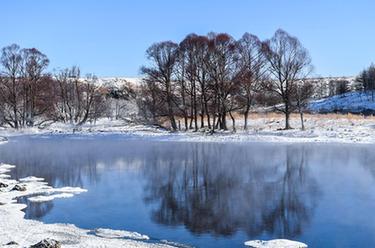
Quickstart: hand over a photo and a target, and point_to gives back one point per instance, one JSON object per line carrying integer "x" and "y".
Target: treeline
{"x": 204, "y": 80}
{"x": 201, "y": 82}
{"x": 31, "y": 96}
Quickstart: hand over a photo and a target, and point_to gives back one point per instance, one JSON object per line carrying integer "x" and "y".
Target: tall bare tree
{"x": 34, "y": 64}
{"x": 252, "y": 70}
{"x": 11, "y": 61}
{"x": 288, "y": 62}
{"x": 305, "y": 90}
{"x": 222, "y": 67}
{"x": 163, "y": 57}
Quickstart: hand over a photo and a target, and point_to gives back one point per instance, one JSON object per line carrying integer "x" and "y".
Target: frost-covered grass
{"x": 338, "y": 128}
{"x": 268, "y": 127}
{"x": 14, "y": 228}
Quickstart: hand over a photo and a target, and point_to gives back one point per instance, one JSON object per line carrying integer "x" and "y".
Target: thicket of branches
{"x": 30, "y": 96}
{"x": 204, "y": 80}
{"x": 367, "y": 80}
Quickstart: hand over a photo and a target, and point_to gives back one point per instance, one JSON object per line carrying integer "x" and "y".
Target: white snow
{"x": 75, "y": 190}
{"x": 351, "y": 102}
{"x": 264, "y": 127}
{"x": 13, "y": 226}
{"x": 31, "y": 179}
{"x": 275, "y": 243}
{"x": 44, "y": 198}
{"x": 109, "y": 233}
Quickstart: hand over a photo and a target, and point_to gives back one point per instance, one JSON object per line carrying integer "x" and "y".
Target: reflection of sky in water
{"x": 206, "y": 194}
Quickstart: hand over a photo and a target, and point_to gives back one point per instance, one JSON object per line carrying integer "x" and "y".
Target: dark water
{"x": 206, "y": 194}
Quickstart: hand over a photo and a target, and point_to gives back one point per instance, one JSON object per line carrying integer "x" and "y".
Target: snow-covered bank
{"x": 336, "y": 128}
{"x": 23, "y": 232}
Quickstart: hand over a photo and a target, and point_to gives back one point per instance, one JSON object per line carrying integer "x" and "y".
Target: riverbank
{"x": 20, "y": 232}
{"x": 335, "y": 128}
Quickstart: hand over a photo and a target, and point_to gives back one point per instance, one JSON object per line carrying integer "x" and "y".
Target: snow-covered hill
{"x": 352, "y": 102}
{"x": 119, "y": 81}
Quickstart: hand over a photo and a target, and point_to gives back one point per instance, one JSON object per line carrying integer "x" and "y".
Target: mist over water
{"x": 205, "y": 194}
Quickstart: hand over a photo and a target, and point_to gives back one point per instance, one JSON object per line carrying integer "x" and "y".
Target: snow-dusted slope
{"x": 119, "y": 81}
{"x": 352, "y": 102}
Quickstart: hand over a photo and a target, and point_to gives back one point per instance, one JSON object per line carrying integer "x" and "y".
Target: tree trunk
{"x": 170, "y": 108}
{"x": 246, "y": 116}
{"x": 287, "y": 115}
{"x": 302, "y": 121}
{"x": 301, "y": 115}
{"x": 202, "y": 114}
{"x": 233, "y": 121}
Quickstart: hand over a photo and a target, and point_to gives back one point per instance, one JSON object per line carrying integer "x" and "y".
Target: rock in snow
{"x": 18, "y": 187}
{"x": 3, "y": 185}
{"x": 275, "y": 243}
{"x": 12, "y": 243}
{"x": 47, "y": 243}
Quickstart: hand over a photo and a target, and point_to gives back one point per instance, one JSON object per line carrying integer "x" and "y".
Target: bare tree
{"x": 305, "y": 91}
{"x": 11, "y": 61}
{"x": 367, "y": 79}
{"x": 80, "y": 99}
{"x": 163, "y": 58}
{"x": 34, "y": 64}
{"x": 252, "y": 70}
{"x": 222, "y": 67}
{"x": 120, "y": 96}
{"x": 288, "y": 62}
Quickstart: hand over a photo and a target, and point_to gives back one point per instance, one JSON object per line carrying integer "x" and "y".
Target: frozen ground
{"x": 340, "y": 128}
{"x": 13, "y": 226}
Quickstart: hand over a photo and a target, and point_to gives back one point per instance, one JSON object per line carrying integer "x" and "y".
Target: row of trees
{"x": 30, "y": 96}
{"x": 204, "y": 80}
{"x": 367, "y": 80}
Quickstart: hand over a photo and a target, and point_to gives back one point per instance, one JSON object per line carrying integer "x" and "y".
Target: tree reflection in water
{"x": 207, "y": 187}
{"x": 220, "y": 189}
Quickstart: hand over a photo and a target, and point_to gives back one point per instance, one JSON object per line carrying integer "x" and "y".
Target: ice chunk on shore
{"x": 275, "y": 243}
{"x": 7, "y": 166}
{"x": 31, "y": 179}
{"x": 14, "y": 226}
{"x": 109, "y": 233}
{"x": 4, "y": 168}
{"x": 74, "y": 190}
{"x": 45, "y": 198}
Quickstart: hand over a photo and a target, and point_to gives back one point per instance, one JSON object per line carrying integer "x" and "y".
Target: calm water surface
{"x": 205, "y": 194}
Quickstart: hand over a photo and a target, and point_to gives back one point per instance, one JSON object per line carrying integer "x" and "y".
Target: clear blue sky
{"x": 109, "y": 37}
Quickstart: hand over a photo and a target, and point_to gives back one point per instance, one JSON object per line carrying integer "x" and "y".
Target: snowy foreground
{"x": 335, "y": 128}
{"x": 14, "y": 228}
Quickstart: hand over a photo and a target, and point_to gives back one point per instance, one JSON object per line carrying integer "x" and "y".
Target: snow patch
{"x": 109, "y": 233}
{"x": 31, "y": 179}
{"x": 351, "y": 102}
{"x": 45, "y": 198}
{"x": 275, "y": 243}
{"x": 75, "y": 190}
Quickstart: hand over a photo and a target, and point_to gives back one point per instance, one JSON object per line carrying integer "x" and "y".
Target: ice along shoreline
{"x": 21, "y": 232}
